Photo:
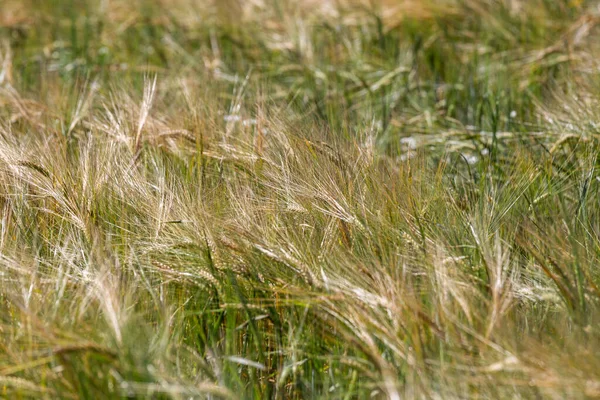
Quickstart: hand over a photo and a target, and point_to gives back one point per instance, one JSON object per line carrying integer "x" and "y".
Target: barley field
{"x": 299, "y": 199}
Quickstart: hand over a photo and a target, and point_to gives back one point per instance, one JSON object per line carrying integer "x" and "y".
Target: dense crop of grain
{"x": 349, "y": 199}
